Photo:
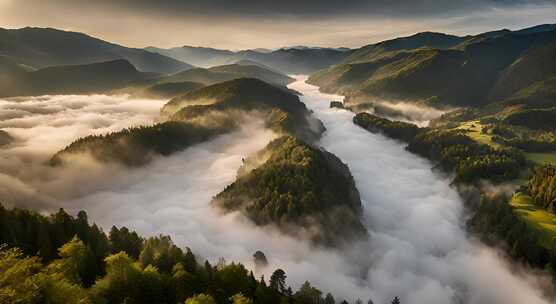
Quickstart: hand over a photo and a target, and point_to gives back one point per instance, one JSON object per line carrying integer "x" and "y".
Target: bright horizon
{"x": 246, "y": 26}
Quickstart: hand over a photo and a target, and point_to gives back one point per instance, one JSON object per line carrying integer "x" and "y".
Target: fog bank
{"x": 418, "y": 248}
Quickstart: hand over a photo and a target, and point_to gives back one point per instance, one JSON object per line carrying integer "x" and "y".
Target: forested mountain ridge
{"x": 304, "y": 191}
{"x": 101, "y": 77}
{"x": 441, "y": 69}
{"x": 44, "y": 47}
{"x": 227, "y": 72}
{"x": 295, "y": 60}
{"x": 120, "y": 77}
{"x": 62, "y": 259}
{"x": 231, "y": 103}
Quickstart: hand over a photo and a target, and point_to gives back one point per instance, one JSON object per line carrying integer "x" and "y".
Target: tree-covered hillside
{"x": 304, "y": 191}
{"x": 294, "y": 60}
{"x": 101, "y": 77}
{"x": 229, "y": 72}
{"x": 62, "y": 259}
{"x": 231, "y": 104}
{"x": 45, "y": 47}
{"x": 442, "y": 69}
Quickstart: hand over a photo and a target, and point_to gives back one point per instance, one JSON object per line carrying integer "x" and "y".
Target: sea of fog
{"x": 417, "y": 250}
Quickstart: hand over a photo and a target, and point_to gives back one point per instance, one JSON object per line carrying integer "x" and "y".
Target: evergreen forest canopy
{"x": 62, "y": 259}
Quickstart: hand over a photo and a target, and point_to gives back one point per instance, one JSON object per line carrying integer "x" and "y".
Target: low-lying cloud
{"x": 40, "y": 126}
{"x": 418, "y": 249}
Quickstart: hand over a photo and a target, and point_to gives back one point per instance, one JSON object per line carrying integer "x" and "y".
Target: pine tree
{"x": 278, "y": 280}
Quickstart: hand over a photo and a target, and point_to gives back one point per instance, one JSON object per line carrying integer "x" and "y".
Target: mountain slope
{"x": 44, "y": 47}
{"x": 229, "y": 72}
{"x": 99, "y": 77}
{"x": 298, "y": 60}
{"x": 305, "y": 191}
{"x": 232, "y": 104}
{"x": 420, "y": 40}
{"x": 462, "y": 75}
{"x": 534, "y": 66}
{"x": 198, "y": 56}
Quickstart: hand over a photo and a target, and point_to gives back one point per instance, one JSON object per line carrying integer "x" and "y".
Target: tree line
{"x": 62, "y": 259}
{"x": 542, "y": 187}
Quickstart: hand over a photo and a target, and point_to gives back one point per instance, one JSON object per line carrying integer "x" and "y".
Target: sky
{"x": 241, "y": 24}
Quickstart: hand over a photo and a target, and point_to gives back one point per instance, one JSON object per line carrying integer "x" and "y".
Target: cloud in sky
{"x": 249, "y": 23}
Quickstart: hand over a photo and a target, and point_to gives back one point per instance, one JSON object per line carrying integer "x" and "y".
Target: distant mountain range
{"x": 444, "y": 69}
{"x": 291, "y": 60}
{"x": 120, "y": 76}
{"x": 45, "y": 47}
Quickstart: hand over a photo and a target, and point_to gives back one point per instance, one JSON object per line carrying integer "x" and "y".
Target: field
{"x": 537, "y": 217}
{"x": 474, "y": 131}
{"x": 542, "y": 158}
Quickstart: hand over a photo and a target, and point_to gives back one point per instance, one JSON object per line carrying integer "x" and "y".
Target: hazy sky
{"x": 238, "y": 24}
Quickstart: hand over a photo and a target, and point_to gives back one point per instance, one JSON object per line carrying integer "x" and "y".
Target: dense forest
{"x": 298, "y": 188}
{"x": 137, "y": 146}
{"x": 451, "y": 150}
{"x": 395, "y": 129}
{"x": 496, "y": 222}
{"x": 233, "y": 103}
{"x": 542, "y": 187}
{"x": 62, "y": 259}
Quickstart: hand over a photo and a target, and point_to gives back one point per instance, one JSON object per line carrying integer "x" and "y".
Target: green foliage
{"x": 524, "y": 138}
{"x": 542, "y": 187}
{"x": 544, "y": 119}
{"x": 126, "y": 281}
{"x": 24, "y": 280}
{"x": 161, "y": 253}
{"x": 307, "y": 294}
{"x": 124, "y": 240}
{"x": 495, "y": 219}
{"x": 163, "y": 273}
{"x": 301, "y": 185}
{"x": 395, "y": 129}
{"x": 233, "y": 102}
{"x": 240, "y": 299}
{"x": 20, "y": 277}
{"x": 41, "y": 235}
{"x": 469, "y": 160}
{"x": 71, "y": 261}
{"x": 278, "y": 280}
{"x": 200, "y": 299}
{"x": 465, "y": 71}
{"x": 136, "y": 146}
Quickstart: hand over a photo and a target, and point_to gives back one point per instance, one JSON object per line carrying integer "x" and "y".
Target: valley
{"x": 261, "y": 168}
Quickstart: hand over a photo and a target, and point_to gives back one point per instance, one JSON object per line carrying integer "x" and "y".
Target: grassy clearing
{"x": 537, "y": 217}
{"x": 542, "y": 158}
{"x": 474, "y": 130}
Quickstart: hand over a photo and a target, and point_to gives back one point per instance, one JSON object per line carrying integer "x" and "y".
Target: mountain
{"x": 297, "y": 60}
{"x": 169, "y": 89}
{"x": 527, "y": 74}
{"x": 45, "y": 47}
{"x": 305, "y": 191}
{"x": 198, "y": 116}
{"x": 442, "y": 69}
{"x": 228, "y": 72}
{"x": 420, "y": 40}
{"x": 99, "y": 77}
{"x": 198, "y": 56}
